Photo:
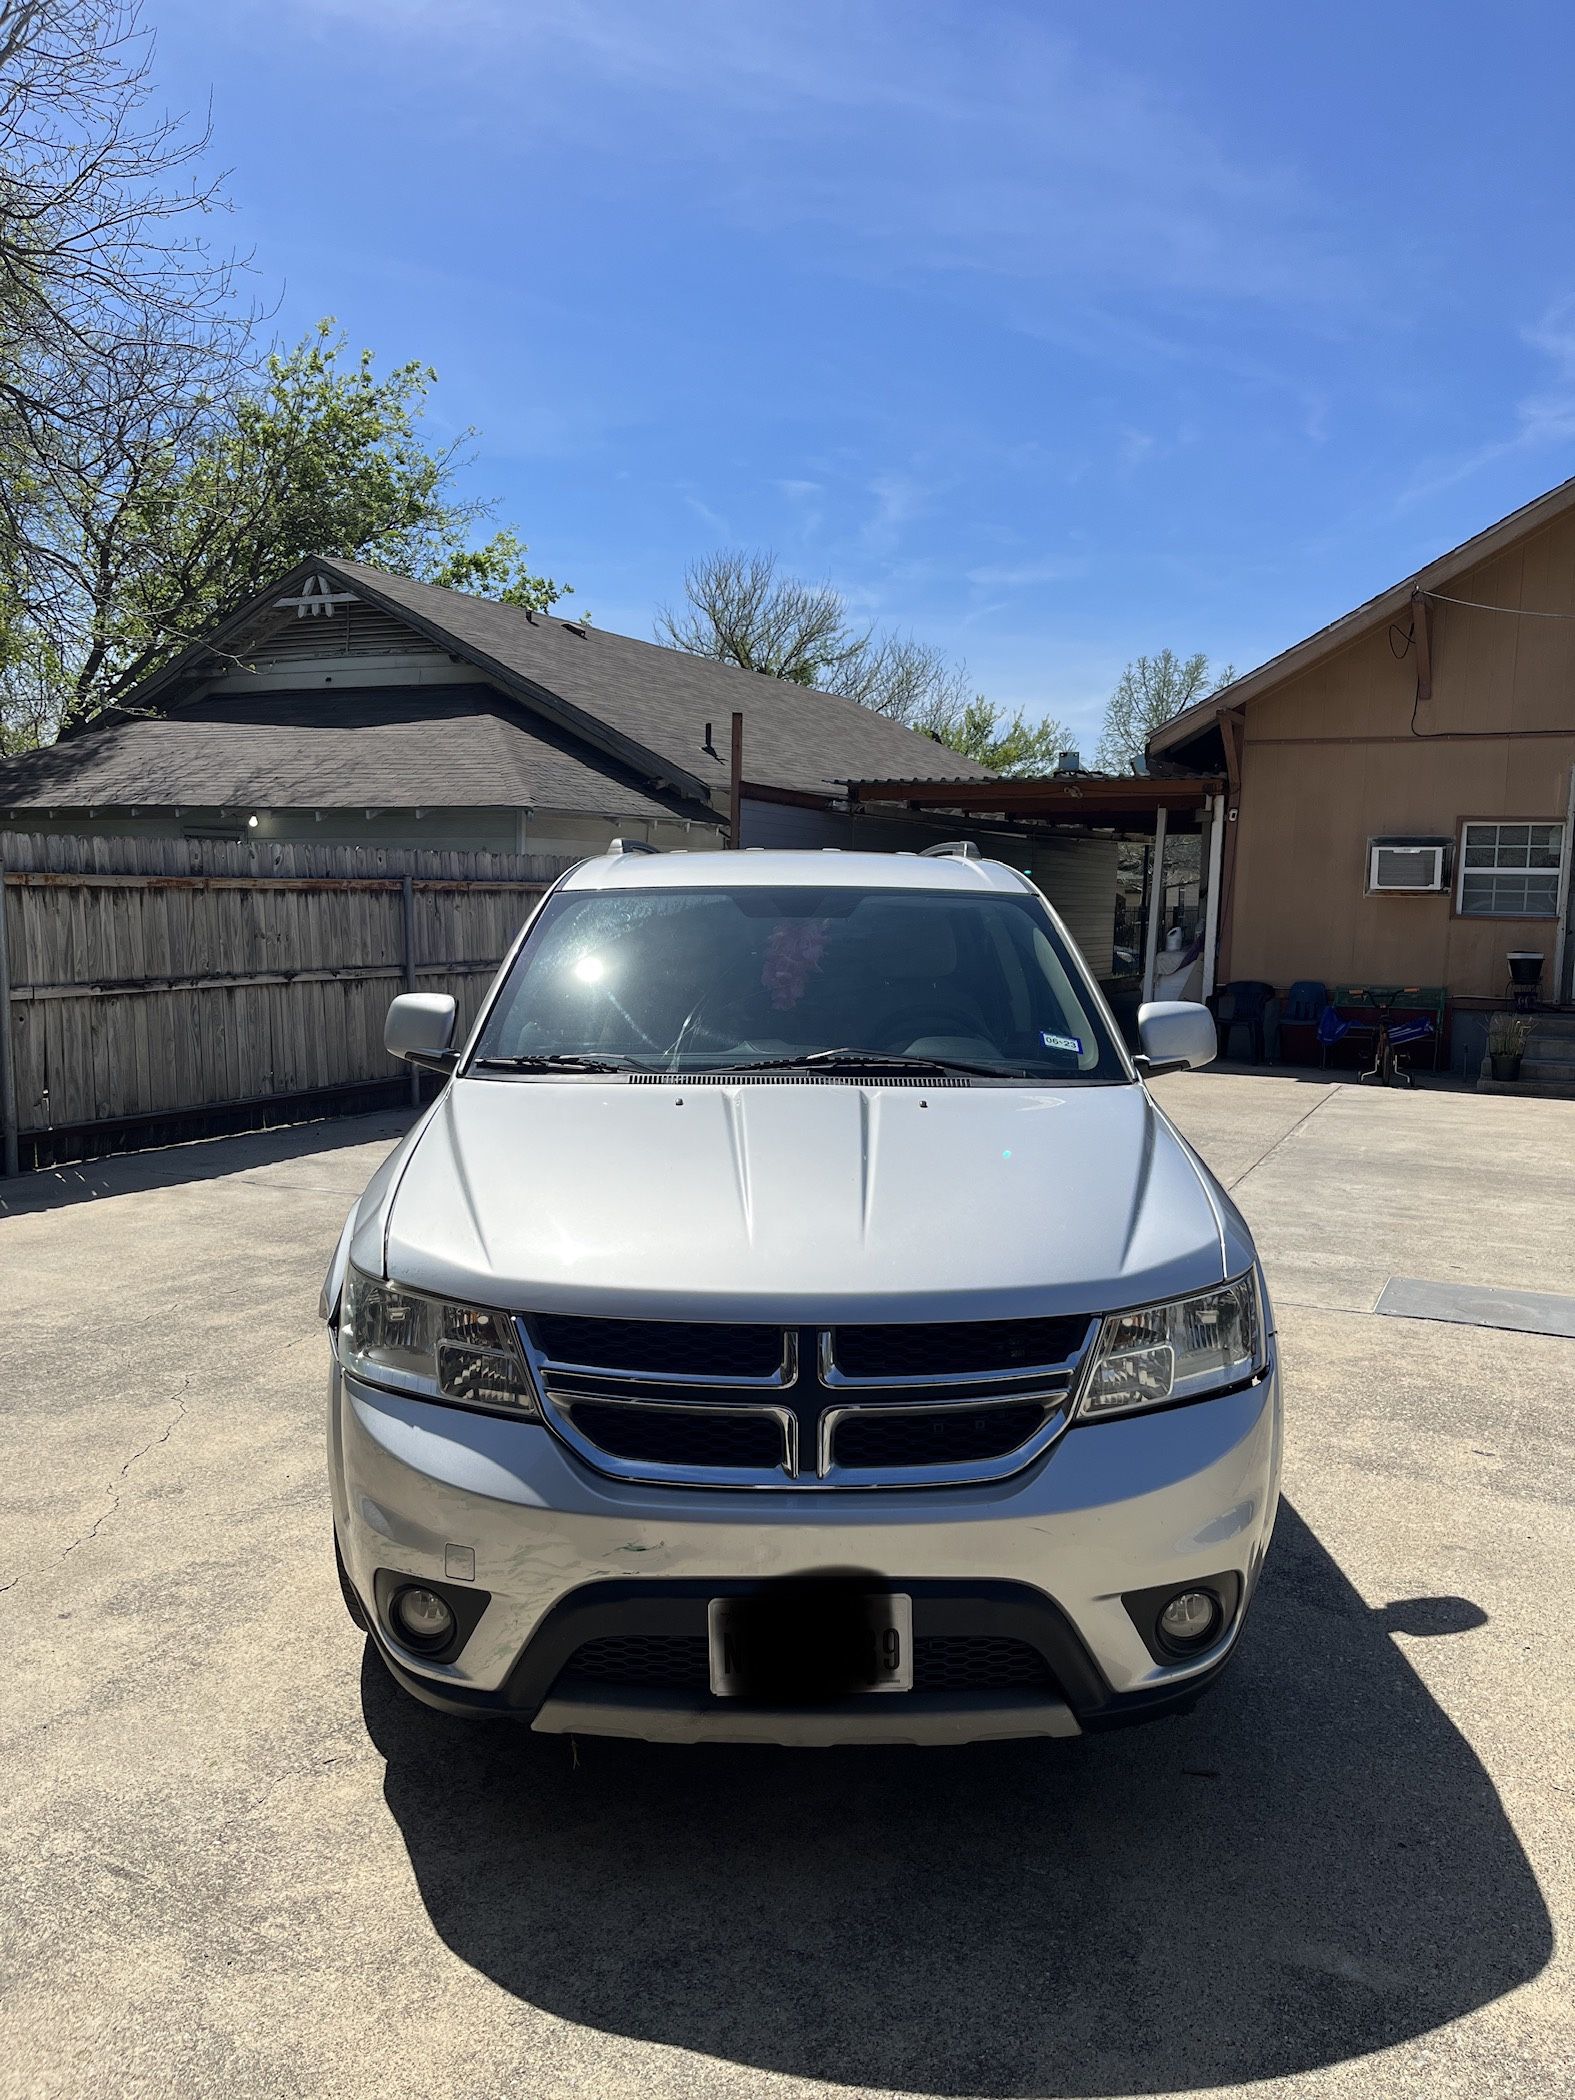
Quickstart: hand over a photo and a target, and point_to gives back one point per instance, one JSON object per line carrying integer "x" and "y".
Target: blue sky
{"x": 1052, "y": 335}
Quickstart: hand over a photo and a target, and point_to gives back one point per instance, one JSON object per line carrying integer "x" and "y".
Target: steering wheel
{"x": 934, "y": 1017}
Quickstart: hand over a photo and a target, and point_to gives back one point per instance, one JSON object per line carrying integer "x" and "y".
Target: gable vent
{"x": 355, "y": 630}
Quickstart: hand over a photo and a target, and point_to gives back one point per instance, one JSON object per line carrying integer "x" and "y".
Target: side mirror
{"x": 420, "y": 1029}
{"x": 1176, "y": 1034}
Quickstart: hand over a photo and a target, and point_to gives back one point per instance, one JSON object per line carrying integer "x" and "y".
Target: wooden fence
{"x": 157, "y": 987}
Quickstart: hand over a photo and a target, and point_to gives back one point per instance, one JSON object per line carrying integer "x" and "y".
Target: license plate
{"x": 804, "y": 1647}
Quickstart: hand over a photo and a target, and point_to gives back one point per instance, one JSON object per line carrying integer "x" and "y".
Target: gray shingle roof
{"x": 662, "y": 698}
{"x": 584, "y": 720}
{"x": 402, "y": 747}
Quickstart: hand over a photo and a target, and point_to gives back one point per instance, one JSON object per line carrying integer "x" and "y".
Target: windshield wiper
{"x": 550, "y": 1061}
{"x": 850, "y": 1060}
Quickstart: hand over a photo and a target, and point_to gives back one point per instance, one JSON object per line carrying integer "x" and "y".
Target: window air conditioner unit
{"x": 1406, "y": 865}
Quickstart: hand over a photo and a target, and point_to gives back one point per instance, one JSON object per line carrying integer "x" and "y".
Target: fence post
{"x": 10, "y": 1162}
{"x": 407, "y": 893}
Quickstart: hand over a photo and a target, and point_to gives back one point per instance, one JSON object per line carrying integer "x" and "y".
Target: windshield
{"x": 706, "y": 979}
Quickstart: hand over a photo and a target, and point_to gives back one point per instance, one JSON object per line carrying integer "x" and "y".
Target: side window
{"x": 1510, "y": 871}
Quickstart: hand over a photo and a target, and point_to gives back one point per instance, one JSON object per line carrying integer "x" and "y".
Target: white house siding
{"x": 1078, "y": 875}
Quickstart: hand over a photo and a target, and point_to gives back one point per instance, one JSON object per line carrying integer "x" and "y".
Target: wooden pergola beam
{"x": 1072, "y": 800}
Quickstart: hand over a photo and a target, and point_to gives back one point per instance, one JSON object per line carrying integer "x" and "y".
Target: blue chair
{"x": 1254, "y": 1006}
{"x": 1305, "y": 1002}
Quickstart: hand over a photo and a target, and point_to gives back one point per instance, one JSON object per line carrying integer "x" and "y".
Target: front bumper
{"x": 567, "y": 1555}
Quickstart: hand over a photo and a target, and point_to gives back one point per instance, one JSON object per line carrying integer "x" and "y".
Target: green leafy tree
{"x": 1010, "y": 745}
{"x": 1148, "y": 693}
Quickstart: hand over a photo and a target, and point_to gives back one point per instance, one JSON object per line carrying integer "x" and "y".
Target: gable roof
{"x": 1194, "y": 720}
{"x": 435, "y": 747}
{"x": 645, "y": 705}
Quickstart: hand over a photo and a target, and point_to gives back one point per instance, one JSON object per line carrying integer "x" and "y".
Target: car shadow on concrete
{"x": 1311, "y": 1866}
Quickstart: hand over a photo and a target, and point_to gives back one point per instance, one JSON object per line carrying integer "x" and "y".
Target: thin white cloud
{"x": 897, "y": 500}
{"x": 712, "y": 518}
{"x": 1134, "y": 447}
{"x": 1014, "y": 576}
{"x": 918, "y": 148}
{"x": 1544, "y": 418}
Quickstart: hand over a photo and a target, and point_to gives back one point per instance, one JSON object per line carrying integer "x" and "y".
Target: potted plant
{"x": 1506, "y": 1044}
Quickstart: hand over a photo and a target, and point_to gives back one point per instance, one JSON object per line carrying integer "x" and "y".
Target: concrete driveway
{"x": 236, "y": 1862}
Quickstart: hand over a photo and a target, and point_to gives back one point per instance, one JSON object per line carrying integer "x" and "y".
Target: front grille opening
{"x": 661, "y": 1348}
{"x": 679, "y": 1662}
{"x": 878, "y": 1437}
{"x": 968, "y": 1662}
{"x": 954, "y": 1348}
{"x": 676, "y": 1662}
{"x": 651, "y": 1434}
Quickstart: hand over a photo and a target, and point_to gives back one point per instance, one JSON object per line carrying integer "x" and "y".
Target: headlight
{"x": 427, "y": 1345}
{"x": 1177, "y": 1351}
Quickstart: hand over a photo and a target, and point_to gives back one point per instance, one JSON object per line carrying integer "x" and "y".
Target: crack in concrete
{"x": 152, "y": 1444}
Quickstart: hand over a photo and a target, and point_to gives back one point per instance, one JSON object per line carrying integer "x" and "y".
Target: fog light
{"x": 1189, "y": 1619}
{"x": 421, "y": 1618}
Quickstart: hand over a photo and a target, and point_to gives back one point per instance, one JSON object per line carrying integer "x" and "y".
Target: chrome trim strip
{"x": 786, "y": 1372}
{"x": 838, "y": 1380}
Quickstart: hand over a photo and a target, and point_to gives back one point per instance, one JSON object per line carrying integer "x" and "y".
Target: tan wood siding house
{"x": 1441, "y": 713}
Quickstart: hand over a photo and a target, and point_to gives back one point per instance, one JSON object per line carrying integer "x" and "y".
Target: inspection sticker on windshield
{"x": 1074, "y": 1043}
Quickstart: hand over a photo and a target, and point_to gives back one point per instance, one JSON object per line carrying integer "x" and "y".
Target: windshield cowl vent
{"x": 793, "y": 1079}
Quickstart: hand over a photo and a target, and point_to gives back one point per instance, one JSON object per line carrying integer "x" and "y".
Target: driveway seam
{"x": 1284, "y": 1138}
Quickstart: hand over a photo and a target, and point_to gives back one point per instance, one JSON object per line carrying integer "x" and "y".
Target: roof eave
{"x": 651, "y": 765}
{"x": 639, "y": 757}
{"x": 1530, "y": 517}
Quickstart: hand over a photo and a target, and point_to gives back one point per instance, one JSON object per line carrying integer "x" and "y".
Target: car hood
{"x": 791, "y": 1202}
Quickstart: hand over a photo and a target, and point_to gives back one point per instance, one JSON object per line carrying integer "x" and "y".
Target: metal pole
{"x": 735, "y": 790}
{"x": 10, "y": 1161}
{"x": 1561, "y": 936}
{"x": 407, "y": 898}
{"x": 1211, "y": 930}
{"x": 1156, "y": 897}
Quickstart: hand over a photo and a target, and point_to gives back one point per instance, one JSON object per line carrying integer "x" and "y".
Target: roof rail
{"x": 633, "y": 846}
{"x": 953, "y": 849}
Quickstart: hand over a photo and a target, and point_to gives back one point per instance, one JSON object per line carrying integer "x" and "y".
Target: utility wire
{"x": 1521, "y": 612}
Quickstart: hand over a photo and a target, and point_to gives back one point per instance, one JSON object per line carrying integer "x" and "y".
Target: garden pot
{"x": 1505, "y": 1066}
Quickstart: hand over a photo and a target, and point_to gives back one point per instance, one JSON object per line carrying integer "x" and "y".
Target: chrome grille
{"x": 723, "y": 1404}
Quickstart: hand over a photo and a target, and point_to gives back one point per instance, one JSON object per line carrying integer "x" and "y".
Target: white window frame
{"x": 1496, "y": 824}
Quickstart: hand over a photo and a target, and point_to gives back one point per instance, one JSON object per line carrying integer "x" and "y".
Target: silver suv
{"x": 795, "y": 1321}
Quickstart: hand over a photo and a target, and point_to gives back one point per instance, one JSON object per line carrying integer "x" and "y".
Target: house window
{"x": 1510, "y": 871}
